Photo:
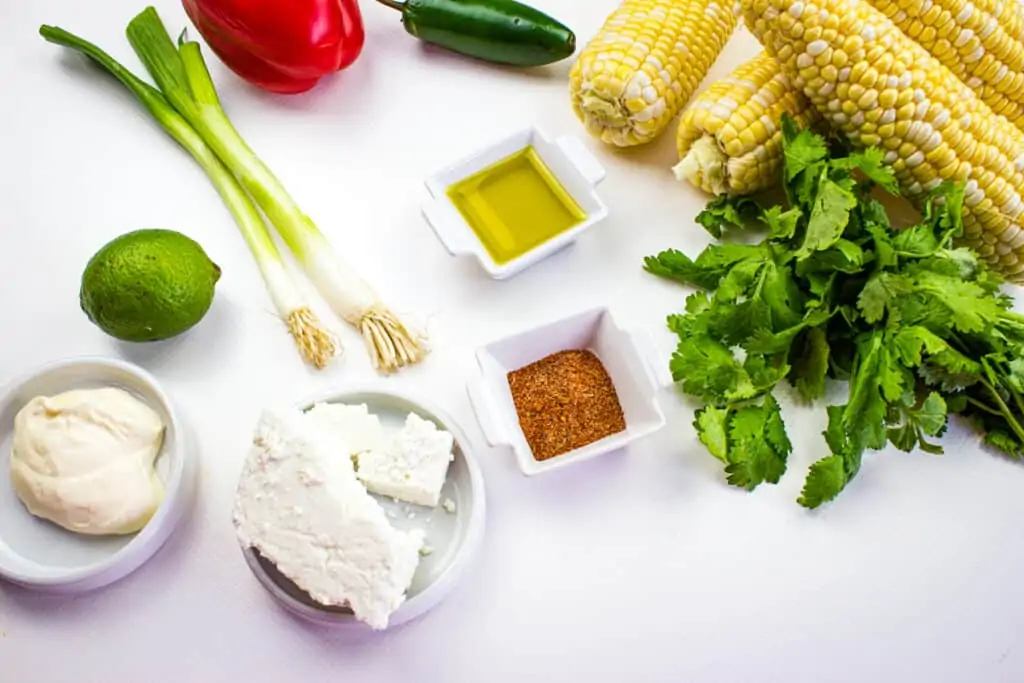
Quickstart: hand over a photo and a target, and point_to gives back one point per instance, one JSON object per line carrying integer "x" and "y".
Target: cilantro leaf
{"x": 802, "y": 149}
{"x": 931, "y": 416}
{"x": 946, "y": 302}
{"x": 1005, "y": 442}
{"x": 938, "y": 363}
{"x": 765, "y": 341}
{"x": 864, "y": 415}
{"x": 903, "y": 437}
{"x": 709, "y": 267}
{"x": 781, "y": 224}
{"x": 881, "y": 240}
{"x": 944, "y": 208}
{"x": 917, "y": 241}
{"x": 738, "y": 281}
{"x": 726, "y": 211}
{"x": 811, "y": 367}
{"x": 881, "y": 290}
{"x": 759, "y": 446}
{"x": 825, "y": 480}
{"x": 844, "y": 256}
{"x": 1015, "y": 373}
{"x": 911, "y": 341}
{"x": 829, "y": 216}
{"x": 764, "y": 371}
{"x": 708, "y": 369}
{"x": 782, "y": 296}
{"x": 870, "y": 163}
{"x": 872, "y": 213}
{"x": 675, "y": 265}
{"x": 893, "y": 378}
{"x": 928, "y": 419}
{"x": 711, "y": 424}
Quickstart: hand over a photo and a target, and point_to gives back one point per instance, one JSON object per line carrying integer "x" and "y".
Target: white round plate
{"x": 453, "y": 537}
{"x": 38, "y": 554}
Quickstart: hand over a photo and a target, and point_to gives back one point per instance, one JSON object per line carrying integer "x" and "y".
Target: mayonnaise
{"x": 84, "y": 460}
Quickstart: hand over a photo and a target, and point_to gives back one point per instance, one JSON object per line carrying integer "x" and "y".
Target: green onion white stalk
{"x": 181, "y": 73}
{"x": 315, "y": 343}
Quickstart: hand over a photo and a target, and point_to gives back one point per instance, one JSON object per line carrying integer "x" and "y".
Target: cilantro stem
{"x": 1007, "y": 415}
{"x": 983, "y": 406}
{"x": 1016, "y": 399}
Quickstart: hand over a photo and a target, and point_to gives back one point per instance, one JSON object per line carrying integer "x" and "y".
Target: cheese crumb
{"x": 353, "y": 425}
{"x": 411, "y": 465}
{"x": 449, "y": 506}
{"x": 301, "y": 506}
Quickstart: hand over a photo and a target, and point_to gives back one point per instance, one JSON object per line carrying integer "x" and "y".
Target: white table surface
{"x": 641, "y": 567}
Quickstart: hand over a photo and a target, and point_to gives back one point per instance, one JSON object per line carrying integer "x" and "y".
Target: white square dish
{"x": 572, "y": 164}
{"x": 636, "y": 369}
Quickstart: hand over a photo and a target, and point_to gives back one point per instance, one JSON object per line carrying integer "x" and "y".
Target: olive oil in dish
{"x": 515, "y": 205}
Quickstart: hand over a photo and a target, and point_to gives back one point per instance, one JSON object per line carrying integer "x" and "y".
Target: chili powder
{"x": 565, "y": 401}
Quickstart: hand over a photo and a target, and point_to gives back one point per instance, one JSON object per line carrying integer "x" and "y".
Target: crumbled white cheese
{"x": 300, "y": 504}
{"x": 449, "y": 506}
{"x": 411, "y": 465}
{"x": 426, "y": 550}
{"x": 354, "y": 425}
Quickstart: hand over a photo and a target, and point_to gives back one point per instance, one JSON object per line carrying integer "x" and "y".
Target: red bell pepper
{"x": 284, "y": 46}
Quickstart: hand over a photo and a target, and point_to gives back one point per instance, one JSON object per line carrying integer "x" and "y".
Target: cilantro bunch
{"x": 917, "y": 326}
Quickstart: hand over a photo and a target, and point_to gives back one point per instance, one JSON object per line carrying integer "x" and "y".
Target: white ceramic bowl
{"x": 38, "y": 554}
{"x": 572, "y": 164}
{"x": 636, "y": 369}
{"x": 454, "y": 537}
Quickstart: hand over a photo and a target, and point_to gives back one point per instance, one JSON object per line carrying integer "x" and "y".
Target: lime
{"x": 148, "y": 285}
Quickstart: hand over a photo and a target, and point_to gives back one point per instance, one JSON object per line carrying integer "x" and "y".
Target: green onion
{"x": 315, "y": 343}
{"x": 181, "y": 73}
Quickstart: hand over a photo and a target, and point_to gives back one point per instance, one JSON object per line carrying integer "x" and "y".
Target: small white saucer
{"x": 38, "y": 554}
{"x": 453, "y": 537}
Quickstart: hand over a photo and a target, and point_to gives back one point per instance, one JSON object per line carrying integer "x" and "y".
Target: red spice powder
{"x": 565, "y": 401}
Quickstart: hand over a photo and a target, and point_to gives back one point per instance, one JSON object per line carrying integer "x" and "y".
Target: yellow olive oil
{"x": 515, "y": 205}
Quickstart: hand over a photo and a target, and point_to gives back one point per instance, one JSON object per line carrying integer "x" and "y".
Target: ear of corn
{"x": 980, "y": 41}
{"x": 634, "y": 76}
{"x": 879, "y": 87}
{"x": 729, "y": 140}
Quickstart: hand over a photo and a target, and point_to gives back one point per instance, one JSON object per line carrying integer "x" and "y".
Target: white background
{"x": 640, "y": 567}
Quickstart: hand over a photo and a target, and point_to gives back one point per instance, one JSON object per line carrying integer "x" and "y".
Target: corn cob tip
{"x": 704, "y": 165}
{"x": 633, "y": 77}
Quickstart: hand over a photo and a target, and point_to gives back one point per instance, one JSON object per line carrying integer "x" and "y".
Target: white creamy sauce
{"x": 84, "y": 460}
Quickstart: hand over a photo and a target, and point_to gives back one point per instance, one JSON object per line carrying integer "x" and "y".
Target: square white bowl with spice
{"x": 635, "y": 368}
